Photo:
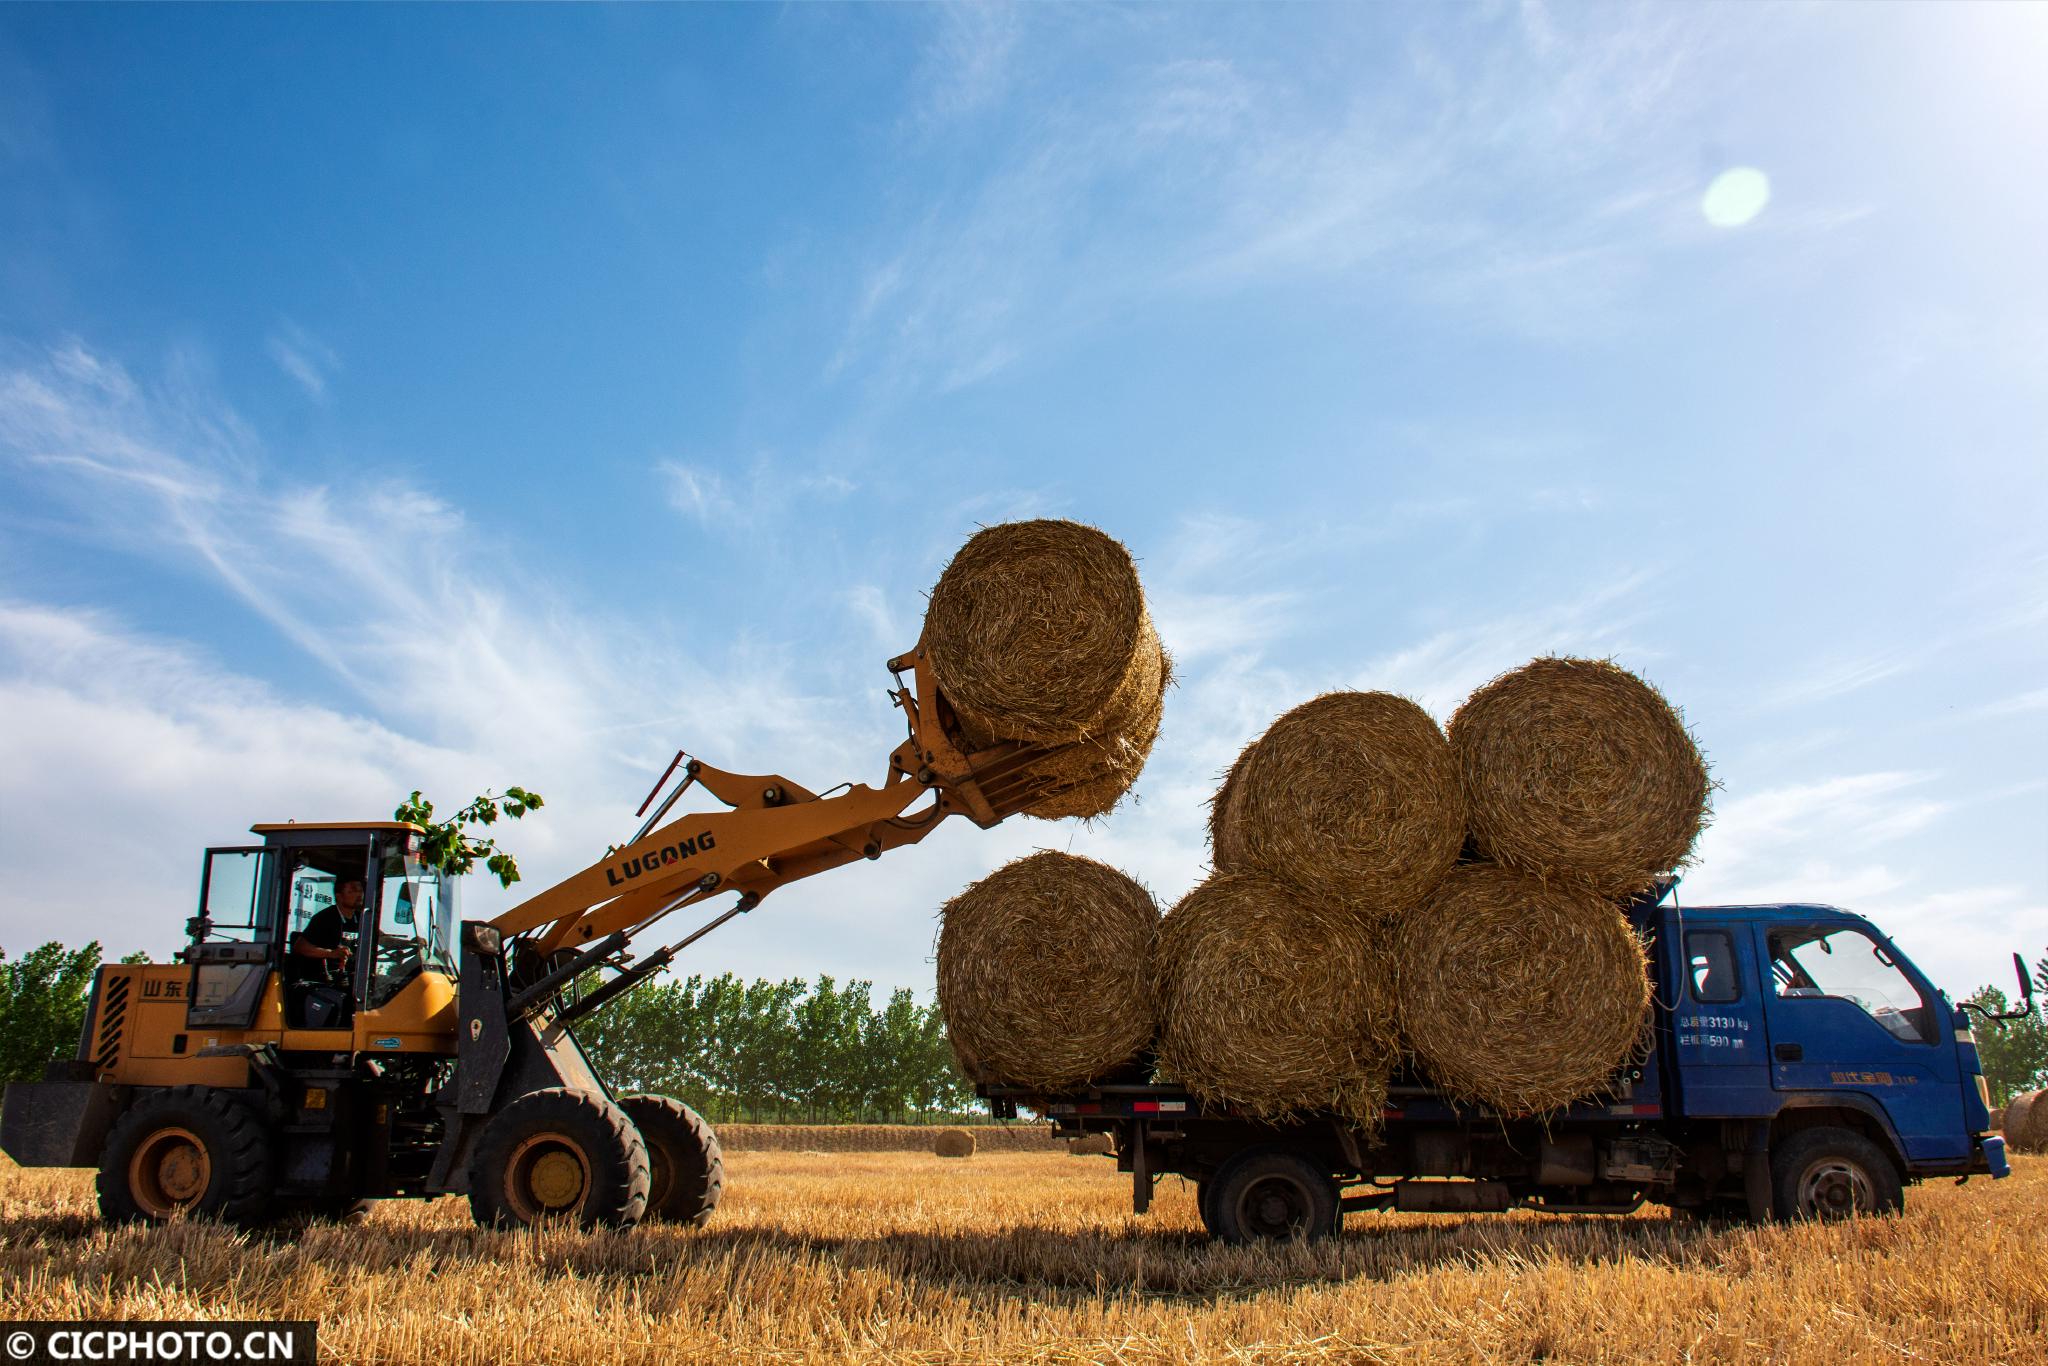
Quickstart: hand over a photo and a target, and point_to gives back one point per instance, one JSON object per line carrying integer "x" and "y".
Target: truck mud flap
{"x": 56, "y": 1123}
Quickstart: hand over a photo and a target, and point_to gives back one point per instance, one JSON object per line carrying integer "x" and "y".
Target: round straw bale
{"x": 2014, "y": 1119}
{"x": 2027, "y": 1122}
{"x": 1352, "y": 796}
{"x": 1093, "y": 775}
{"x": 1518, "y": 994}
{"x": 1998, "y": 1119}
{"x": 1092, "y": 1145}
{"x": 1036, "y": 631}
{"x": 953, "y": 1143}
{"x": 1274, "y": 1004}
{"x": 1045, "y": 971}
{"x": 1576, "y": 770}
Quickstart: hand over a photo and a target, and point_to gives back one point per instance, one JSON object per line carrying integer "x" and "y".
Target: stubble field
{"x": 876, "y": 1256}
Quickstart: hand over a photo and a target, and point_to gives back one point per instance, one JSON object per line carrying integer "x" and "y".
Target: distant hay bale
{"x": 1576, "y": 770}
{"x": 953, "y": 1143}
{"x": 1045, "y": 972}
{"x": 1352, "y": 796}
{"x": 1273, "y": 1003}
{"x": 1092, "y": 1145}
{"x": 2026, "y": 1123}
{"x": 1036, "y": 631}
{"x": 1998, "y": 1119}
{"x": 1516, "y": 994}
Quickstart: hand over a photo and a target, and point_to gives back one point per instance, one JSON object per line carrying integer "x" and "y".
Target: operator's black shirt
{"x": 323, "y": 931}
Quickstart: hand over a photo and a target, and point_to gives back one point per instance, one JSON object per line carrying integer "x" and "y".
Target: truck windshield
{"x": 414, "y": 921}
{"x": 1849, "y": 964}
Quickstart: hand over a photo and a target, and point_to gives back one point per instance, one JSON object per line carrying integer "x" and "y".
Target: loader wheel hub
{"x": 549, "y": 1175}
{"x": 169, "y": 1172}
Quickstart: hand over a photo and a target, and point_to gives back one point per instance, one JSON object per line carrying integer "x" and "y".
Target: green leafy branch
{"x": 449, "y": 845}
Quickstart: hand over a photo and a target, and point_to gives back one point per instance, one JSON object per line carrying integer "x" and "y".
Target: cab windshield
{"x": 415, "y": 926}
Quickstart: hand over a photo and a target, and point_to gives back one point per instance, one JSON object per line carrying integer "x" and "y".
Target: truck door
{"x": 1717, "y": 1023}
{"x": 1846, "y": 1016}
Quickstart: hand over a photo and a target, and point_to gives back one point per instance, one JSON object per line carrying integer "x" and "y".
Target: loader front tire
{"x": 188, "y": 1150}
{"x": 559, "y": 1154}
{"x": 686, "y": 1168}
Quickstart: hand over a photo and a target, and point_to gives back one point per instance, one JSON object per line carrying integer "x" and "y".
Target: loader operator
{"x": 316, "y": 968}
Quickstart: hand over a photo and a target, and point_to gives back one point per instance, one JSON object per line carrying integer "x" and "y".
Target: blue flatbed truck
{"x": 1798, "y": 1065}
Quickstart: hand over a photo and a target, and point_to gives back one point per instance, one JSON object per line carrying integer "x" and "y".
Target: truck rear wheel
{"x": 1833, "y": 1173}
{"x": 188, "y": 1150}
{"x": 686, "y": 1169}
{"x": 559, "y": 1154}
{"x": 1269, "y": 1195}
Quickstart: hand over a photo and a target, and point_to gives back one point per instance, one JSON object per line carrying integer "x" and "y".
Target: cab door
{"x": 1847, "y": 1016}
{"x": 234, "y": 944}
{"x": 1717, "y": 1022}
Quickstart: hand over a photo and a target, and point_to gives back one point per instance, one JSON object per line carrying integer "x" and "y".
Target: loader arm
{"x": 775, "y": 831}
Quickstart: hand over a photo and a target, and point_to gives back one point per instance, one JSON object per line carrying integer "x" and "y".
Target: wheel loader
{"x": 446, "y": 1062}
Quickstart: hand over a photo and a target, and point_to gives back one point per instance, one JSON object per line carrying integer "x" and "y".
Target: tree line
{"x": 781, "y": 1052}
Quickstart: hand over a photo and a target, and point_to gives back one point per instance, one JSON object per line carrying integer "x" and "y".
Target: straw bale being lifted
{"x": 1352, "y": 796}
{"x": 1273, "y": 1003}
{"x": 1045, "y": 972}
{"x": 1576, "y": 770}
{"x": 1101, "y": 770}
{"x": 1517, "y": 994}
{"x": 1037, "y": 631}
{"x": 953, "y": 1143}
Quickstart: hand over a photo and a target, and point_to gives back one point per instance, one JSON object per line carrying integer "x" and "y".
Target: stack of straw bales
{"x": 1045, "y": 973}
{"x": 1513, "y": 979}
{"x": 1038, "y": 632}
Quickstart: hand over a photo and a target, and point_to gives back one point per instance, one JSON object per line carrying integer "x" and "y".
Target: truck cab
{"x": 1798, "y": 1016}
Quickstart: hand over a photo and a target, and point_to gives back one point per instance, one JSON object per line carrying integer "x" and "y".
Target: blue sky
{"x": 452, "y": 397}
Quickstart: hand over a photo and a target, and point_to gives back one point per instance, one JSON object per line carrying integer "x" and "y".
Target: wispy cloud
{"x": 1443, "y": 669}
{"x": 1843, "y": 677}
{"x": 310, "y": 362}
{"x": 764, "y": 492}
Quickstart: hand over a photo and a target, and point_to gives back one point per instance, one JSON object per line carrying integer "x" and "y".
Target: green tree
{"x": 449, "y": 846}
{"x": 2014, "y": 1053}
{"x": 42, "y": 1007}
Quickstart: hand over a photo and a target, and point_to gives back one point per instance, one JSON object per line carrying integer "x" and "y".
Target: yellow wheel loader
{"x": 231, "y": 1083}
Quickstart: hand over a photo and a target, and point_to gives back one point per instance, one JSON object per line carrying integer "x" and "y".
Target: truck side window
{"x": 1710, "y": 960}
{"x": 1848, "y": 964}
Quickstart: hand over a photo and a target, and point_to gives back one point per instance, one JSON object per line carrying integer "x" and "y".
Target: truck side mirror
{"x": 2026, "y": 1005}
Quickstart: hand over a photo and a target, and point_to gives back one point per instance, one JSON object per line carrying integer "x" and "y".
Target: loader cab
{"x": 254, "y": 899}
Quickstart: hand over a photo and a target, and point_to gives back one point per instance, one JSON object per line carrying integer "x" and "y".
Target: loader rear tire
{"x": 559, "y": 1154}
{"x": 686, "y": 1173}
{"x": 189, "y": 1150}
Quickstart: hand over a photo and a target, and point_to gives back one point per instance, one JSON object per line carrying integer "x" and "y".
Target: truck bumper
{"x": 56, "y": 1123}
{"x": 1992, "y": 1148}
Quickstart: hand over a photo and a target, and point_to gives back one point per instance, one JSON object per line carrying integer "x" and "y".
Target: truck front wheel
{"x": 562, "y": 1154}
{"x": 1833, "y": 1173}
{"x": 1270, "y": 1195}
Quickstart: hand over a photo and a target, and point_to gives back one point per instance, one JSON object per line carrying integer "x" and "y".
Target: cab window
{"x": 1710, "y": 963}
{"x": 1849, "y": 965}
{"x": 414, "y": 921}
